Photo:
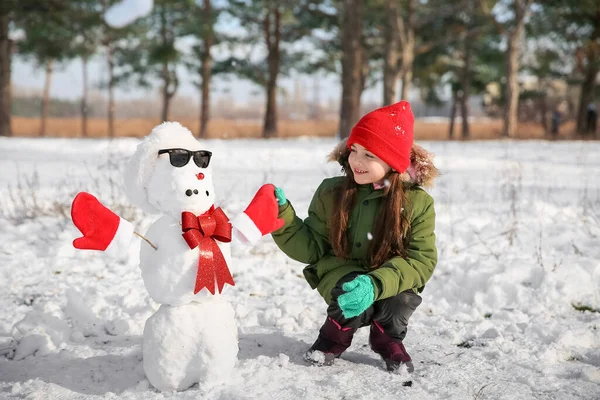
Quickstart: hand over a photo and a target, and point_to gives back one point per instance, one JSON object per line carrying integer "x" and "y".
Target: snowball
{"x": 192, "y": 343}
{"x": 82, "y": 317}
{"x": 39, "y": 334}
{"x": 284, "y": 360}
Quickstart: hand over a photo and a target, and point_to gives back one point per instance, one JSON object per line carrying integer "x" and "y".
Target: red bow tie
{"x": 203, "y": 232}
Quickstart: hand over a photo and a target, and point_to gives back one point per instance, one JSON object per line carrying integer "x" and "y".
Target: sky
{"x": 517, "y": 227}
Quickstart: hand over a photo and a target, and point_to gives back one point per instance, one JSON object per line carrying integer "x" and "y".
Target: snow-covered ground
{"x": 518, "y": 231}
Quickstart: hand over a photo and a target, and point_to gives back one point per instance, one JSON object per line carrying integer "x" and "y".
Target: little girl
{"x": 369, "y": 237}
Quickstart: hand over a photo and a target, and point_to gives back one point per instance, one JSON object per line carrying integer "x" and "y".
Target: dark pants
{"x": 391, "y": 314}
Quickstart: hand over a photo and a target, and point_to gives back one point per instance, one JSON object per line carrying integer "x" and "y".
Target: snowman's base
{"x": 189, "y": 344}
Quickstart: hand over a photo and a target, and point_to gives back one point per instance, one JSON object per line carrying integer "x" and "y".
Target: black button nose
{"x": 358, "y": 244}
{"x": 195, "y": 191}
{"x": 366, "y": 203}
{"x": 188, "y": 192}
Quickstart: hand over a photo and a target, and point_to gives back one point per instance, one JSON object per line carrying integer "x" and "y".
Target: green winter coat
{"x": 307, "y": 240}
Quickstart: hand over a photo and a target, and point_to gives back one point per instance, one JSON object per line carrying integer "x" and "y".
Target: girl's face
{"x": 366, "y": 166}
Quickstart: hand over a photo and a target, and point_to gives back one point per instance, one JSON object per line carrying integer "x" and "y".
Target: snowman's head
{"x": 170, "y": 172}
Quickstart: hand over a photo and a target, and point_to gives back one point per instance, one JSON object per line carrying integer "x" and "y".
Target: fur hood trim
{"x": 421, "y": 171}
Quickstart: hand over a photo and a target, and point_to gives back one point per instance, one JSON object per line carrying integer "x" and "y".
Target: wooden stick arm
{"x": 146, "y": 240}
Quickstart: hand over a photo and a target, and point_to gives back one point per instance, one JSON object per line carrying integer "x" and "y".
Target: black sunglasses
{"x": 180, "y": 157}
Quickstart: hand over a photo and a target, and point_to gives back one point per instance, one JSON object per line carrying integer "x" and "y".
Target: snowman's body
{"x": 169, "y": 272}
{"x": 185, "y": 265}
{"x": 192, "y": 338}
{"x": 189, "y": 344}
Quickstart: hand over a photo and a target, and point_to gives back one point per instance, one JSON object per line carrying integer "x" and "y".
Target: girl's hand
{"x": 280, "y": 195}
{"x": 360, "y": 294}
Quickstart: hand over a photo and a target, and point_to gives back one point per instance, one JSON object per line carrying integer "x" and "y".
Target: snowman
{"x": 185, "y": 258}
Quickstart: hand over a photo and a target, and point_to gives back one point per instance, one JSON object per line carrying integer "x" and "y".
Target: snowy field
{"x": 512, "y": 310}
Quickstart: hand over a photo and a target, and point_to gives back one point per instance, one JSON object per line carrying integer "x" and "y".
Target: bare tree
{"x": 453, "y": 107}
{"x": 588, "y": 64}
{"x": 170, "y": 81}
{"x": 5, "y": 79}
{"x": 399, "y": 49}
{"x": 391, "y": 44}
{"x": 205, "y": 69}
{"x": 513, "y": 30}
{"x": 84, "y": 97}
{"x": 46, "y": 96}
{"x": 514, "y": 34}
{"x": 407, "y": 40}
{"x": 272, "y": 31}
{"x": 466, "y": 75}
{"x": 108, "y": 43}
{"x": 352, "y": 65}
{"x": 111, "y": 89}
{"x": 402, "y": 44}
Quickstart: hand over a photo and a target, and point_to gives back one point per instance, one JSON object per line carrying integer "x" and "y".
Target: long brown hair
{"x": 392, "y": 226}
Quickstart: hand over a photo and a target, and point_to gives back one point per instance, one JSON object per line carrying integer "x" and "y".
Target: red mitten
{"x": 102, "y": 229}
{"x": 261, "y": 216}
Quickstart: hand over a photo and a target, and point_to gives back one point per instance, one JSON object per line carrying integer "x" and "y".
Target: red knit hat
{"x": 388, "y": 133}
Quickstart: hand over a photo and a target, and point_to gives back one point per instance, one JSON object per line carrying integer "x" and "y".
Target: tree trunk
{"x": 391, "y": 46}
{"x": 111, "y": 92}
{"x": 315, "y": 106}
{"x": 591, "y": 54}
{"x": 466, "y": 87}
{"x": 453, "y": 114}
{"x": 205, "y": 72}
{"x": 270, "y": 123}
{"x": 5, "y": 78}
{"x": 272, "y": 38}
{"x": 543, "y": 107}
{"x": 169, "y": 77}
{"x": 590, "y": 65}
{"x": 352, "y": 65}
{"x": 166, "y": 100}
{"x": 408, "y": 50}
{"x": 46, "y": 97}
{"x": 84, "y": 98}
{"x": 408, "y": 58}
{"x": 108, "y": 42}
{"x": 520, "y": 8}
{"x": 586, "y": 97}
{"x": 512, "y": 86}
{"x": 168, "y": 91}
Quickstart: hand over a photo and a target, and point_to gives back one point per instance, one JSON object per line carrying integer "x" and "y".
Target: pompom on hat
{"x": 387, "y": 132}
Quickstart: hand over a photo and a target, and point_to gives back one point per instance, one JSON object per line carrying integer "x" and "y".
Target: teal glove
{"x": 281, "y": 200}
{"x": 360, "y": 294}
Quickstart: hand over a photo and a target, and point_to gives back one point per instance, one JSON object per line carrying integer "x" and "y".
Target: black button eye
{"x": 188, "y": 192}
{"x": 207, "y": 193}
